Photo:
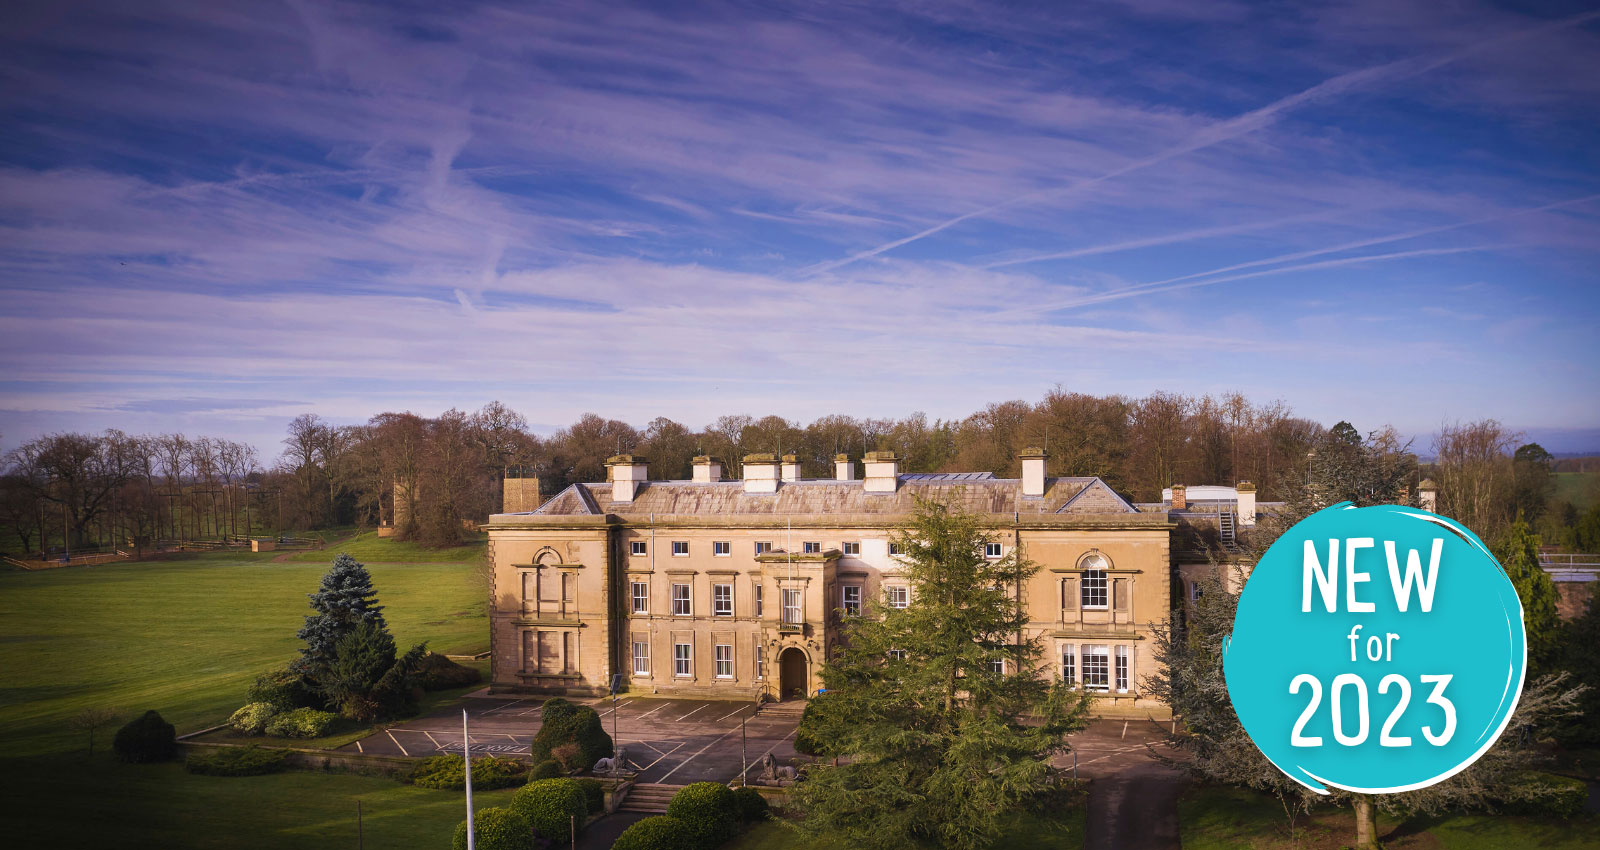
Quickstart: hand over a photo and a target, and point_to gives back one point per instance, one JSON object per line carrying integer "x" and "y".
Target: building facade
{"x": 737, "y": 588}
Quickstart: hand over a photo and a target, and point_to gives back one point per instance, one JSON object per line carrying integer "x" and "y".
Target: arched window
{"x": 1094, "y": 593}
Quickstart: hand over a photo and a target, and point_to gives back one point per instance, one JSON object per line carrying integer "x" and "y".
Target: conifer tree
{"x": 926, "y": 705}
{"x": 1519, "y": 557}
{"x": 345, "y": 601}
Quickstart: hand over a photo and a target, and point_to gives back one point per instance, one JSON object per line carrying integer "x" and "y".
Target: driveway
{"x": 1133, "y": 803}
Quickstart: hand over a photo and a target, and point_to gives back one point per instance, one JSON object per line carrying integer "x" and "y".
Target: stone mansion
{"x": 735, "y": 588}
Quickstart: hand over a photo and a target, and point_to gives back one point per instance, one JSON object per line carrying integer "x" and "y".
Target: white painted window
{"x": 680, "y": 548}
{"x": 791, "y": 605}
{"x": 899, "y": 597}
{"x": 641, "y": 658}
{"x": 761, "y": 659}
{"x": 1122, "y": 669}
{"x": 992, "y": 550}
{"x": 724, "y": 661}
{"x": 637, "y": 547}
{"x": 897, "y": 654}
{"x": 852, "y": 600}
{"x": 896, "y": 549}
{"x": 1069, "y": 664}
{"x": 681, "y": 605}
{"x": 852, "y": 548}
{"x": 763, "y": 547}
{"x": 641, "y": 597}
{"x": 759, "y": 597}
{"x": 682, "y": 659}
{"x": 722, "y": 548}
{"x": 812, "y": 548}
{"x": 1196, "y": 591}
{"x": 1096, "y": 668}
{"x": 1094, "y": 589}
{"x": 722, "y": 600}
{"x": 997, "y": 665}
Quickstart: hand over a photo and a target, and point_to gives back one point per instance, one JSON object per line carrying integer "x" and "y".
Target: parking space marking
{"x": 506, "y": 706}
{"x": 696, "y": 755}
{"x": 768, "y": 752}
{"x": 619, "y": 707}
{"x": 653, "y": 710}
{"x": 397, "y": 743}
{"x": 732, "y": 713}
{"x": 434, "y": 740}
{"x": 681, "y": 719}
{"x": 660, "y": 754}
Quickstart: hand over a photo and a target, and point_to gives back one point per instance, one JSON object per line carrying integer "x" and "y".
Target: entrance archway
{"x": 792, "y": 681}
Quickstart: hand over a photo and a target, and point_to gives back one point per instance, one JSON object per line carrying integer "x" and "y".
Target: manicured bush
{"x": 495, "y": 829}
{"x": 236, "y": 761}
{"x": 547, "y": 769}
{"x": 147, "y": 738}
{"x": 550, "y": 805}
{"x": 253, "y": 718}
{"x": 661, "y": 832}
{"x": 284, "y": 689}
{"x": 707, "y": 810}
{"x": 302, "y": 723}
{"x": 438, "y": 673}
{"x": 449, "y": 773}
{"x": 563, "y": 722}
{"x": 594, "y": 794}
{"x": 1548, "y": 794}
{"x": 748, "y": 805}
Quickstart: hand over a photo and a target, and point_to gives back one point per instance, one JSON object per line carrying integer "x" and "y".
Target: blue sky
{"x": 215, "y": 216}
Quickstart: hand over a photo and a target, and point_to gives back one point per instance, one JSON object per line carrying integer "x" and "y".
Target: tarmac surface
{"x": 666, "y": 740}
{"x": 1133, "y": 803}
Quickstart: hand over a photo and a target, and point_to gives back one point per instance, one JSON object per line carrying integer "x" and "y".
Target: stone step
{"x": 648, "y": 797}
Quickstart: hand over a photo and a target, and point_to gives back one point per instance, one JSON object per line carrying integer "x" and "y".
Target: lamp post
{"x": 466, "y": 753}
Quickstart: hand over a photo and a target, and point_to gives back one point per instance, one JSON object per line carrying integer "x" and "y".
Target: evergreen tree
{"x": 926, "y": 704}
{"x": 345, "y": 601}
{"x": 366, "y": 681}
{"x": 1519, "y": 557}
{"x": 1582, "y": 659}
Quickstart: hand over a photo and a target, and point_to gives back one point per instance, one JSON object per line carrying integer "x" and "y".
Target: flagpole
{"x": 466, "y": 753}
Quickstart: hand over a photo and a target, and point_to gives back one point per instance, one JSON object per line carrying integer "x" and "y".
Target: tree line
{"x": 432, "y": 476}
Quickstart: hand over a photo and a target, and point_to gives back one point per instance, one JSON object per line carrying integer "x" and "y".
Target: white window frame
{"x": 721, "y": 593}
{"x": 759, "y": 598}
{"x": 897, "y": 654}
{"x": 853, "y": 548}
{"x": 722, "y": 549}
{"x": 724, "y": 663}
{"x": 810, "y": 547}
{"x": 1095, "y": 585}
{"x": 851, "y": 606}
{"x": 897, "y": 596}
{"x": 761, "y": 659}
{"x": 639, "y": 591}
{"x": 896, "y": 549}
{"x": 1121, "y": 668}
{"x": 686, "y": 598}
{"x": 680, "y": 548}
{"x": 641, "y": 661}
{"x": 997, "y": 666}
{"x": 638, "y": 547}
{"x": 1096, "y": 676}
{"x": 993, "y": 551}
{"x": 763, "y": 547}
{"x": 683, "y": 660}
{"x": 793, "y": 601}
{"x": 1069, "y": 665}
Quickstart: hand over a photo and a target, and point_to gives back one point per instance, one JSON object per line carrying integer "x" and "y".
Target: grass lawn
{"x": 186, "y": 637}
{"x": 369, "y": 548}
{"x": 1028, "y": 831}
{"x": 1221, "y": 818}
{"x": 1580, "y": 488}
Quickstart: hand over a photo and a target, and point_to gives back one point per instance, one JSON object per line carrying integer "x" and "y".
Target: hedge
{"x": 547, "y": 769}
{"x": 707, "y": 810}
{"x": 495, "y": 829}
{"x": 147, "y": 738}
{"x": 594, "y": 794}
{"x": 252, "y": 719}
{"x": 449, "y": 773}
{"x": 551, "y": 806}
{"x": 661, "y": 832}
{"x": 237, "y": 761}
{"x": 302, "y": 723}
{"x": 748, "y": 805}
{"x": 284, "y": 689}
{"x": 1548, "y": 794}
{"x": 563, "y": 722}
{"x": 438, "y": 673}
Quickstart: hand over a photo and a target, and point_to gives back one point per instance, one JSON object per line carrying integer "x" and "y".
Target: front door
{"x": 792, "y": 674}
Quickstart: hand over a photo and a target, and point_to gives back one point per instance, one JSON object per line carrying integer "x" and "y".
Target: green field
{"x": 1223, "y": 818}
{"x": 367, "y": 546}
{"x": 1582, "y": 489}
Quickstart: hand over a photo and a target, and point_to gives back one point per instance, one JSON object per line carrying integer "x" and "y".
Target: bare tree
{"x": 1473, "y": 465}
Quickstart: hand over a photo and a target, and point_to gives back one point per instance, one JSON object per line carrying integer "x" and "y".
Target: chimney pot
{"x": 761, "y": 473}
{"x": 1033, "y": 466}
{"x": 707, "y": 469}
{"x": 1180, "y": 501}
{"x": 626, "y": 472}
{"x": 882, "y": 472}
{"x": 791, "y": 468}
{"x": 844, "y": 469}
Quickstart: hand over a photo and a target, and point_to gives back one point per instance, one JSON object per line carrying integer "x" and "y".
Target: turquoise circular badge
{"x": 1375, "y": 649}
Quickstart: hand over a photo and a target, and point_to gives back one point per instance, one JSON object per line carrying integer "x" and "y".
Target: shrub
{"x": 566, "y": 723}
{"x": 547, "y": 769}
{"x": 550, "y": 805}
{"x": 806, "y": 741}
{"x": 302, "y": 723}
{"x": 365, "y": 679}
{"x": 147, "y": 738}
{"x": 594, "y": 794}
{"x": 1548, "y": 794}
{"x": 748, "y": 805}
{"x": 707, "y": 812}
{"x": 284, "y": 689}
{"x": 236, "y": 761}
{"x": 566, "y": 755}
{"x": 449, "y": 773}
{"x": 252, "y": 719}
{"x": 438, "y": 673}
{"x": 495, "y": 829}
{"x": 661, "y": 832}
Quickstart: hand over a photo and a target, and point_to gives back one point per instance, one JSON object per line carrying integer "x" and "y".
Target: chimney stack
{"x": 627, "y": 472}
{"x": 844, "y": 468}
{"x": 1428, "y": 495}
{"x": 1247, "y": 504}
{"x": 761, "y": 473}
{"x": 1180, "y": 500}
{"x": 791, "y": 468}
{"x": 883, "y": 472}
{"x": 1033, "y": 463}
{"x": 519, "y": 493}
{"x": 707, "y": 469}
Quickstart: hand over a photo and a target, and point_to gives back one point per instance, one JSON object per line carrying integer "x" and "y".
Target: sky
{"x": 215, "y": 216}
